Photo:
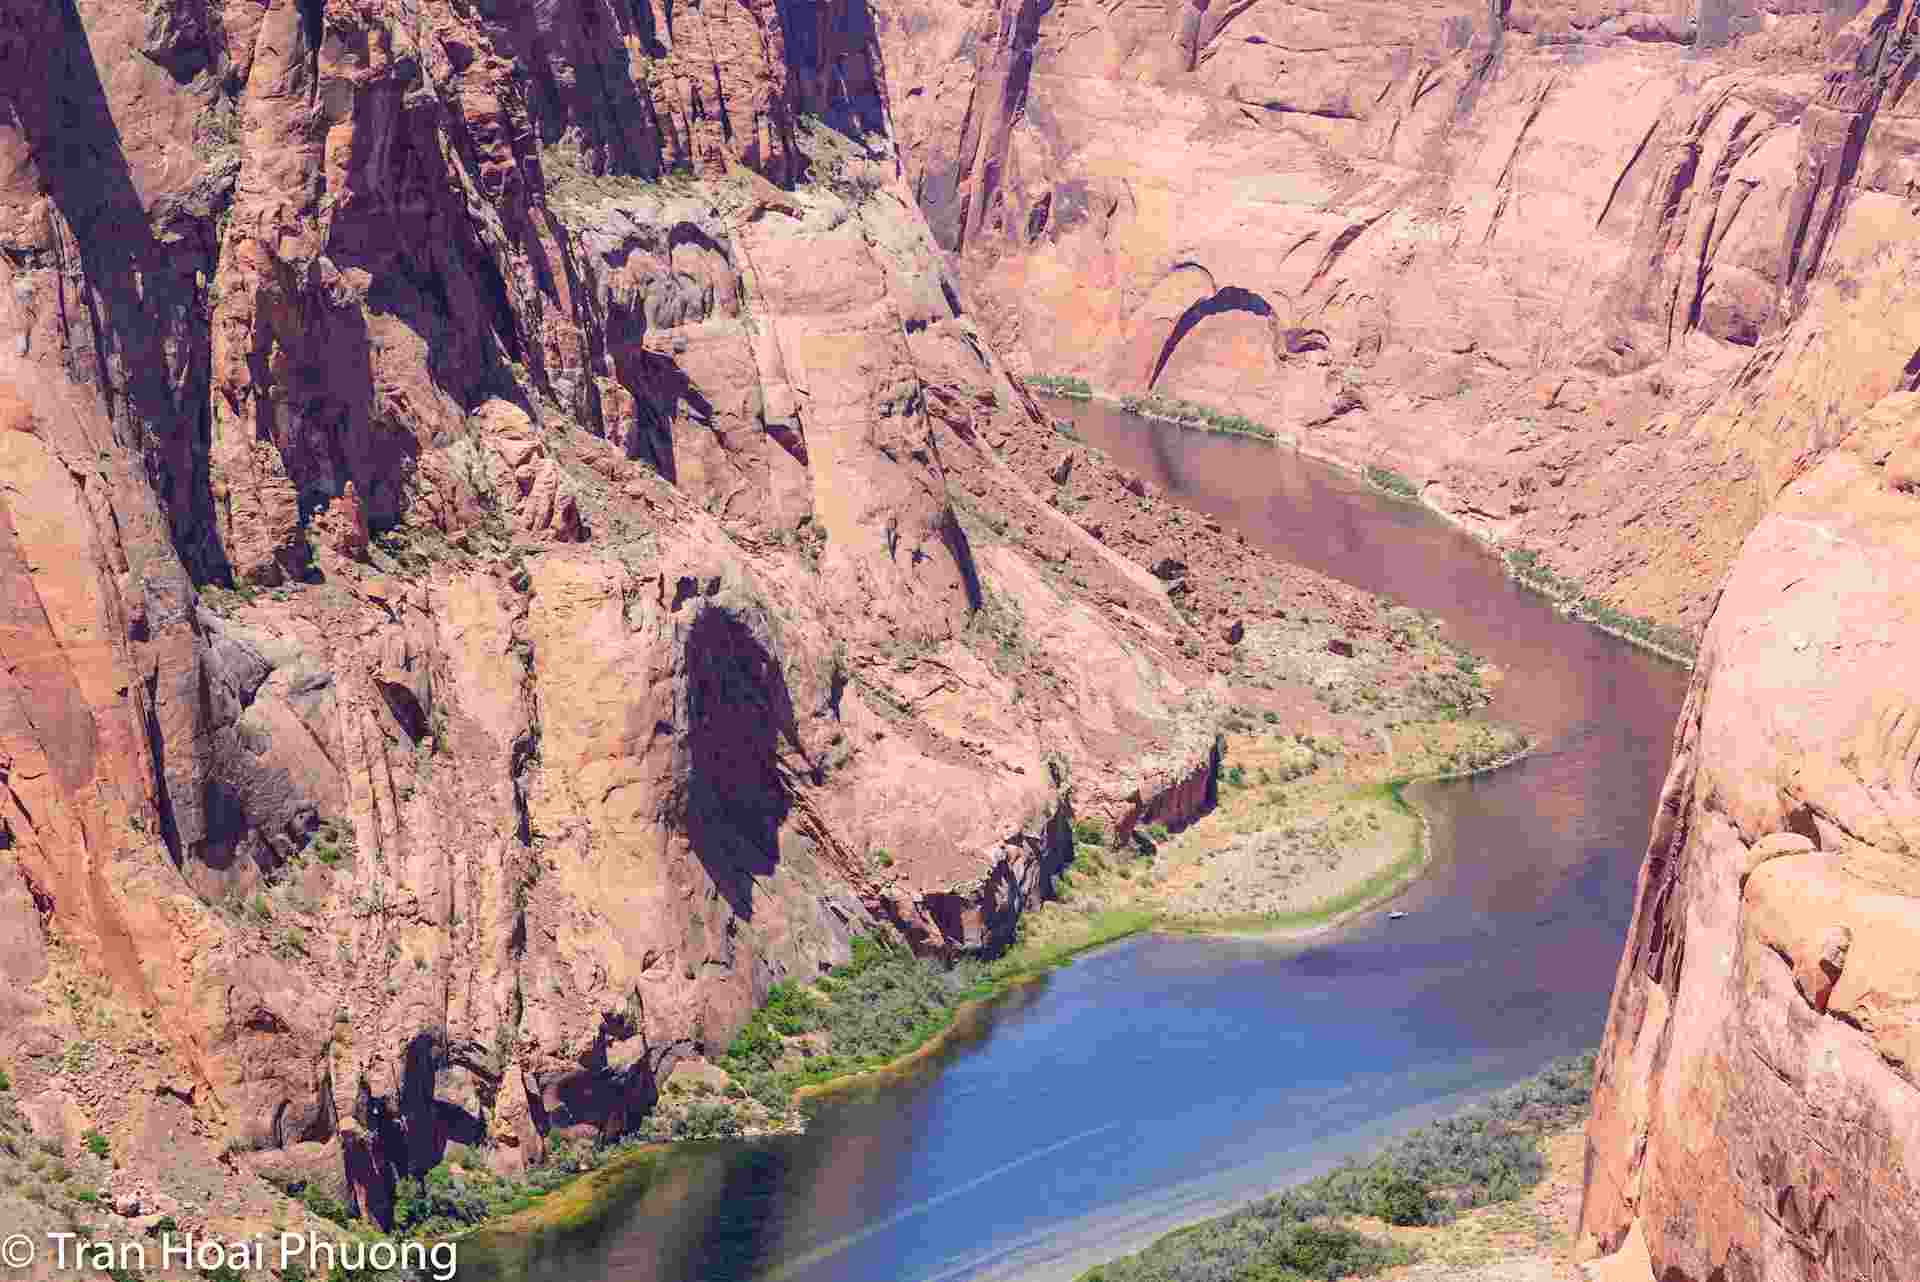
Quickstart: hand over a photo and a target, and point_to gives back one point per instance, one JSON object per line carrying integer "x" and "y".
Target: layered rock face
{"x": 1756, "y": 1099}
{"x": 505, "y": 520}
{"x": 1630, "y": 283}
{"x": 1511, "y": 249}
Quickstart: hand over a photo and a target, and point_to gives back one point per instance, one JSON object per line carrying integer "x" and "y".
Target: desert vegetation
{"x": 1385, "y": 478}
{"x": 1572, "y": 596}
{"x": 1063, "y": 385}
{"x": 1491, "y": 1152}
{"x": 1305, "y": 830}
{"x": 1188, "y": 414}
{"x": 879, "y": 1006}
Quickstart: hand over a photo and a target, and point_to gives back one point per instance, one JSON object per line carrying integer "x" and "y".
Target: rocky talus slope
{"x": 511, "y": 542}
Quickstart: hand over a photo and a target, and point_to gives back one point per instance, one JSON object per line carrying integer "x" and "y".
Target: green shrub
{"x": 324, "y": 1204}
{"x": 1089, "y": 832}
{"x": 707, "y": 1119}
{"x": 96, "y": 1143}
{"x": 1391, "y": 481}
{"x": 1187, "y": 414}
{"x": 1075, "y": 389}
{"x": 1488, "y": 1153}
{"x": 878, "y": 1005}
{"x": 1403, "y": 1200}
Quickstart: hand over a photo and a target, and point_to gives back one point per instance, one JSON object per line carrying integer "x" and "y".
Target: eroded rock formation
{"x": 505, "y": 519}
{"x": 1511, "y": 249}
{"x": 1630, "y": 283}
{"x": 1756, "y": 1097}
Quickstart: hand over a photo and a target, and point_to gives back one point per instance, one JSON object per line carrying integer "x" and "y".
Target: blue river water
{"x": 1167, "y": 1077}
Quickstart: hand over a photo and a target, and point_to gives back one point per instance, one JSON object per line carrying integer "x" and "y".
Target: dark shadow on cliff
{"x": 833, "y": 64}
{"x": 738, "y": 710}
{"x": 1229, "y": 298}
{"x": 140, "y": 296}
{"x": 660, "y": 391}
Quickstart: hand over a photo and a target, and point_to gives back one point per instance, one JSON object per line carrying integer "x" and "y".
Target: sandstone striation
{"x": 517, "y": 534}
{"x": 1757, "y": 1096}
{"x": 505, "y": 518}
{"x": 1542, "y": 257}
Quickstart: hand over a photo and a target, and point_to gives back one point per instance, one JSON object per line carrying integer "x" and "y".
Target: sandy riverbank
{"x": 1305, "y": 836}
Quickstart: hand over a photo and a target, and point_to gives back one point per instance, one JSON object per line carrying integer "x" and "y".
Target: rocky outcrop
{"x": 512, "y": 543}
{"x": 1756, "y": 1093}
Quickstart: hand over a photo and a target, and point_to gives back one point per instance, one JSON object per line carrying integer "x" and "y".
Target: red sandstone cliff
{"x": 1517, "y": 250}
{"x": 504, "y": 515}
{"x": 1629, "y": 282}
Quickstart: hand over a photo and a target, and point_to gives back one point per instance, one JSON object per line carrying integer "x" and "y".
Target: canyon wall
{"x": 1755, "y": 1103}
{"x": 1516, "y": 250}
{"x": 1630, "y": 283}
{"x": 511, "y": 543}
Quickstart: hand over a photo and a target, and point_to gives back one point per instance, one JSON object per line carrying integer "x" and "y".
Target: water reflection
{"x": 1166, "y": 1078}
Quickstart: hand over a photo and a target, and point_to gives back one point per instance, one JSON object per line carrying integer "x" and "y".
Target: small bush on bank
{"x": 1488, "y": 1153}
{"x": 1573, "y": 596}
{"x": 877, "y": 1006}
{"x": 1187, "y": 414}
{"x": 1073, "y": 389}
{"x": 1089, "y": 832}
{"x": 1392, "y": 482}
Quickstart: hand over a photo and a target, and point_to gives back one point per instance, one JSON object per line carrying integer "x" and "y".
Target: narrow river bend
{"x": 1164, "y": 1078}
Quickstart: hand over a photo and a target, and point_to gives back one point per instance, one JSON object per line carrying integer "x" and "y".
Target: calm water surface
{"x": 1161, "y": 1079}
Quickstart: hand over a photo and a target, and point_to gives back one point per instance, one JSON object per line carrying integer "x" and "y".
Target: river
{"x": 1166, "y": 1077}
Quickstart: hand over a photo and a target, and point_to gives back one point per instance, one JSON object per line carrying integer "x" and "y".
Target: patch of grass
{"x": 1572, "y": 595}
{"x": 1001, "y": 621}
{"x": 1062, "y": 385}
{"x": 96, "y": 1144}
{"x": 1188, "y": 414}
{"x": 884, "y": 1005}
{"x": 332, "y": 842}
{"x": 1385, "y": 478}
{"x": 1489, "y": 1153}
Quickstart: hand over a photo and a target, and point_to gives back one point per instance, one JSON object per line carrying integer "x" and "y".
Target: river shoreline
{"x": 578, "y": 1200}
{"x": 590, "y": 1199}
{"x": 1361, "y": 470}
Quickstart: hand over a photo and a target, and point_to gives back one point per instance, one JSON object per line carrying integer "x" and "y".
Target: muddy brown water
{"x": 1165, "y": 1078}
